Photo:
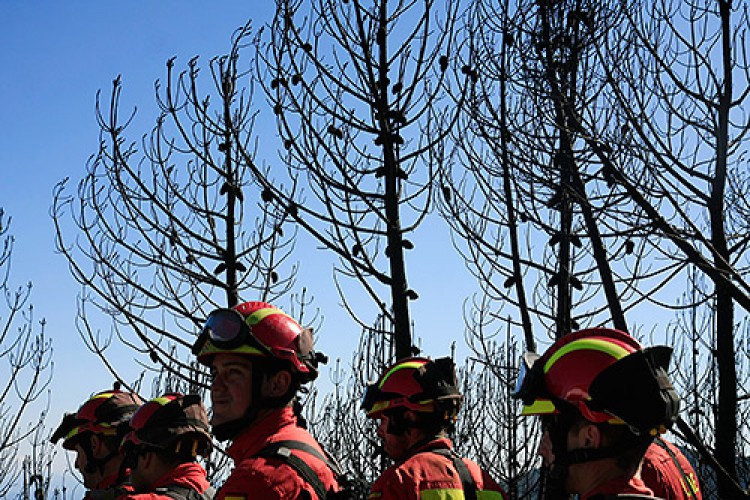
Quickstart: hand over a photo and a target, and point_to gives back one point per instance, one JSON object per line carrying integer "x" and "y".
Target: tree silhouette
{"x": 26, "y": 356}
{"x": 172, "y": 227}
{"x": 683, "y": 95}
{"x": 358, "y": 91}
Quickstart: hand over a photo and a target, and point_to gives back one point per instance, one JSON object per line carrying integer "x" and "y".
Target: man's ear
{"x": 147, "y": 458}
{"x": 97, "y": 445}
{"x": 590, "y": 436}
{"x": 278, "y": 384}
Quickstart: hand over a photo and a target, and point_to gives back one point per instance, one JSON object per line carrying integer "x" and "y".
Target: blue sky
{"x": 54, "y": 58}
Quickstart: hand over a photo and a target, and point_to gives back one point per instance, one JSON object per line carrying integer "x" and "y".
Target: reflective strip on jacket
{"x": 431, "y": 476}
{"x": 663, "y": 475}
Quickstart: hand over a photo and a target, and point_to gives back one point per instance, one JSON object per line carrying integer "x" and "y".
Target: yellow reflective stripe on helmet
{"x": 400, "y": 366}
{"x": 210, "y": 348}
{"x": 162, "y": 400}
{"x": 614, "y": 350}
{"x": 105, "y": 429}
{"x": 539, "y": 407}
{"x": 257, "y": 316}
{"x": 105, "y": 395}
{"x": 379, "y": 406}
{"x": 457, "y": 494}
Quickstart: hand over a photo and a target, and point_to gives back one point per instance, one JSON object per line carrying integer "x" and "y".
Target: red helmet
{"x": 417, "y": 384}
{"x": 170, "y": 419}
{"x": 258, "y": 329}
{"x": 100, "y": 415}
{"x": 572, "y": 363}
{"x": 607, "y": 376}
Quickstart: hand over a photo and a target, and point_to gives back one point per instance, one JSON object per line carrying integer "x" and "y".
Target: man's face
{"x": 139, "y": 474}
{"x": 395, "y": 446}
{"x": 545, "y": 449}
{"x": 231, "y": 387}
{"x": 90, "y": 479}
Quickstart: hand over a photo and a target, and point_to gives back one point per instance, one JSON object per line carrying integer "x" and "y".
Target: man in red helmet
{"x": 603, "y": 399}
{"x": 259, "y": 359}
{"x": 92, "y": 432}
{"x": 416, "y": 401}
{"x": 164, "y": 438}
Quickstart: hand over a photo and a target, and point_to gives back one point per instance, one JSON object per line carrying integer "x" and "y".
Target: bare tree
{"x": 684, "y": 94}
{"x": 169, "y": 230}
{"x": 490, "y": 428}
{"x": 37, "y": 466}
{"x": 26, "y": 372}
{"x": 357, "y": 88}
{"x": 337, "y": 419}
{"x": 551, "y": 151}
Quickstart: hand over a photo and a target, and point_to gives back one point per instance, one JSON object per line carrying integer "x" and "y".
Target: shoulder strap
{"x": 663, "y": 444}
{"x": 107, "y": 494}
{"x": 178, "y": 492}
{"x": 624, "y": 495}
{"x": 467, "y": 482}
{"x": 283, "y": 451}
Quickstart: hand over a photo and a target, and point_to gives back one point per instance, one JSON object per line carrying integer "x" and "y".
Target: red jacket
{"x": 110, "y": 487}
{"x": 188, "y": 475}
{"x": 423, "y": 472}
{"x": 271, "y": 478}
{"x": 663, "y": 475}
{"x": 622, "y": 484}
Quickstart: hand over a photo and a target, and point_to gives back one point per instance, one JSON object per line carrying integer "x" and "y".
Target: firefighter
{"x": 667, "y": 471}
{"x": 163, "y": 441}
{"x": 603, "y": 399}
{"x": 260, "y": 358}
{"x": 416, "y": 401}
{"x": 93, "y": 432}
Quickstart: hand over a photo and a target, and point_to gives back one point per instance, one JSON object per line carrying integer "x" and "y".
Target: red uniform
{"x": 271, "y": 478}
{"x": 617, "y": 486}
{"x": 188, "y": 475}
{"x": 661, "y": 472}
{"x": 109, "y": 487}
{"x": 425, "y": 474}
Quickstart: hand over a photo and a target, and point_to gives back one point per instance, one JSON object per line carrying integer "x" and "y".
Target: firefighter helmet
{"x": 259, "y": 329}
{"x": 417, "y": 384}
{"x": 168, "y": 422}
{"x": 99, "y": 415}
{"x": 606, "y": 375}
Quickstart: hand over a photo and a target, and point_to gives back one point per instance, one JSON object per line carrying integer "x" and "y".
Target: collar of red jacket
{"x": 622, "y": 484}
{"x": 436, "y": 443}
{"x": 257, "y": 436}
{"x": 112, "y": 481}
{"x": 190, "y": 475}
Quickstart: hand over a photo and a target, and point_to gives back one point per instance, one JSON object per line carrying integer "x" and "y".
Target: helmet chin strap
{"x": 564, "y": 458}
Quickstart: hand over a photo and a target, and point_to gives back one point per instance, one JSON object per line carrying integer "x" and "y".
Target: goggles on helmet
{"x": 227, "y": 329}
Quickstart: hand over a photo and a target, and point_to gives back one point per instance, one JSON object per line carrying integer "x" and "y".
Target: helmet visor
{"x": 530, "y": 381}
{"x": 370, "y": 397}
